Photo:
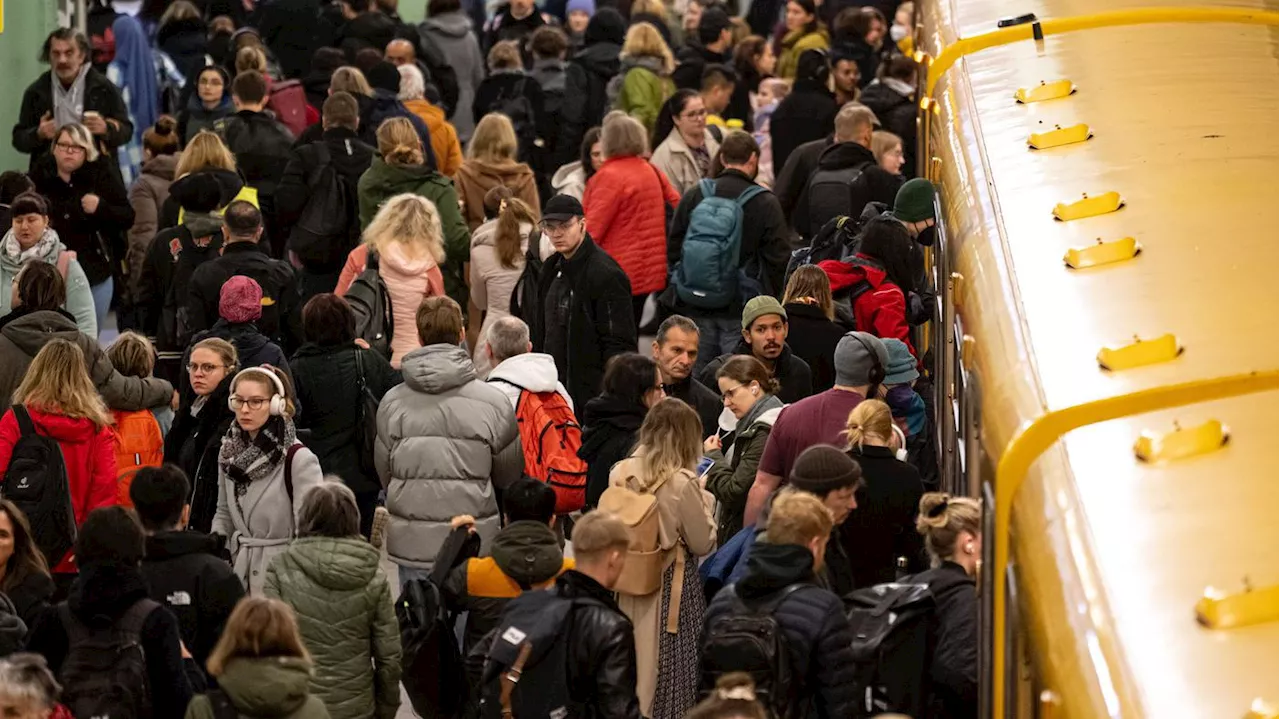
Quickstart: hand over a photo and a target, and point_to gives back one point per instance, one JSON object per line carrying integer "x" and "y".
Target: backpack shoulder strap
{"x": 65, "y": 258}
{"x": 860, "y": 288}
{"x": 133, "y": 619}
{"x": 77, "y": 633}
{"x": 288, "y": 471}
{"x": 749, "y": 194}
{"x": 769, "y": 606}
{"x": 507, "y": 382}
{"x": 25, "y": 425}
{"x": 707, "y": 187}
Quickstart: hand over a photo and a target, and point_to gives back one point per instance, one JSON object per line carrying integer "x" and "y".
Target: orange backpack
{"x": 139, "y": 444}
{"x": 551, "y": 437}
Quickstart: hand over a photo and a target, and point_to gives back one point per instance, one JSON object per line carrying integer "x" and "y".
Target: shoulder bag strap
{"x": 511, "y": 677}
{"x": 25, "y": 425}
{"x": 364, "y": 384}
{"x": 288, "y": 472}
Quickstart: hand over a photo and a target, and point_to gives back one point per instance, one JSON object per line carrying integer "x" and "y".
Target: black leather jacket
{"x": 602, "y": 656}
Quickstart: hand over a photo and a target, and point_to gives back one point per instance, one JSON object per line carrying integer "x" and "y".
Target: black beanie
{"x": 822, "y": 468}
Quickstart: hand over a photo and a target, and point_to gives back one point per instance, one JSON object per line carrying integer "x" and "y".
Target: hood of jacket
{"x": 528, "y": 552}
{"x": 437, "y": 368}
{"x": 603, "y": 417}
{"x": 186, "y": 191}
{"x": 780, "y": 365}
{"x": 12, "y": 266}
{"x": 771, "y": 567}
{"x": 652, "y": 63}
{"x": 268, "y": 686}
{"x": 30, "y": 331}
{"x": 396, "y": 264}
{"x": 338, "y": 564}
{"x": 606, "y": 26}
{"x": 161, "y": 166}
{"x": 496, "y": 172}
{"x": 180, "y": 543}
{"x": 844, "y": 275}
{"x": 104, "y": 591}
{"x": 387, "y": 179}
{"x": 224, "y": 108}
{"x": 12, "y": 628}
{"x": 244, "y": 335}
{"x": 844, "y": 154}
{"x": 454, "y": 24}
{"x": 533, "y": 371}
{"x": 600, "y": 58}
{"x": 765, "y": 411}
{"x": 569, "y": 174}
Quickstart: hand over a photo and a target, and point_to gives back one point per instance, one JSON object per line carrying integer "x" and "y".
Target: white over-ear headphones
{"x": 901, "y": 452}
{"x": 277, "y": 404}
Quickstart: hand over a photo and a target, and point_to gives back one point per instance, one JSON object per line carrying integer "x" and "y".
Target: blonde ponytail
{"x": 871, "y": 419}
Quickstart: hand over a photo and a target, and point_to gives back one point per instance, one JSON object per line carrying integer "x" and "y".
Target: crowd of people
{"x": 371, "y": 289}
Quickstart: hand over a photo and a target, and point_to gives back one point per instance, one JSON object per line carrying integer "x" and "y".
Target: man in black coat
{"x": 808, "y": 112}
{"x": 789, "y": 556}
{"x": 764, "y": 336}
{"x": 241, "y": 255}
{"x": 349, "y": 157}
{"x": 587, "y": 76}
{"x": 851, "y": 157}
{"x": 675, "y": 350}
{"x": 762, "y": 255}
{"x": 892, "y": 99}
{"x": 183, "y": 568}
{"x": 260, "y": 143}
{"x": 710, "y": 48}
{"x": 584, "y": 314}
{"x": 513, "y": 20}
{"x": 71, "y": 91}
{"x": 294, "y": 30}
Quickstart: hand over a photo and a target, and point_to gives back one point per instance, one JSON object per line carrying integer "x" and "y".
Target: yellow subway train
{"x": 1106, "y": 354}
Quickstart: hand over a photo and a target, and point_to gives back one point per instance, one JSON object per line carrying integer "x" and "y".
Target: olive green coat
{"x": 267, "y": 688}
{"x": 343, "y": 603}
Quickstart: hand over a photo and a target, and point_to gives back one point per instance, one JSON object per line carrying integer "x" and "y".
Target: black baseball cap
{"x": 561, "y": 208}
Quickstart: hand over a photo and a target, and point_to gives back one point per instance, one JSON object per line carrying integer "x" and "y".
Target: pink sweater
{"x": 408, "y": 280}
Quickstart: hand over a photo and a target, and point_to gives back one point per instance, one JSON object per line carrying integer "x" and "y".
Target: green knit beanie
{"x": 914, "y": 202}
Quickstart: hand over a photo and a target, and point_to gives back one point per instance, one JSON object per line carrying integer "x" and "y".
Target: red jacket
{"x": 881, "y": 310}
{"x": 89, "y": 454}
{"x": 626, "y": 204}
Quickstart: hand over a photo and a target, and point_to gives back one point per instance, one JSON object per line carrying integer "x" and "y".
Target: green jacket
{"x": 343, "y": 603}
{"x": 794, "y": 45}
{"x": 382, "y": 181}
{"x": 266, "y": 688}
{"x": 642, "y": 94}
{"x": 729, "y": 480}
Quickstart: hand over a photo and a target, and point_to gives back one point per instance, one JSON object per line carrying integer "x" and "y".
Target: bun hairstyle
{"x": 733, "y": 698}
{"x": 943, "y": 518}
{"x": 398, "y": 142}
{"x": 870, "y": 419}
{"x": 161, "y": 138}
{"x": 745, "y": 369}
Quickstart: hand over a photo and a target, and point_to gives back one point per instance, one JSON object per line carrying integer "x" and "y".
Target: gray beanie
{"x": 854, "y": 361}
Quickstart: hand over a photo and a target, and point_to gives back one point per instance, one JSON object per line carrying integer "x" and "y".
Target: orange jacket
{"x": 626, "y": 204}
{"x": 444, "y": 139}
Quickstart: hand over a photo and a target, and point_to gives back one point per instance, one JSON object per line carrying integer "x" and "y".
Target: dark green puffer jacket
{"x": 264, "y": 688}
{"x": 343, "y": 603}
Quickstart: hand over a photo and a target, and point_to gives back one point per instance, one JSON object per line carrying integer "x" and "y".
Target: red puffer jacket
{"x": 89, "y": 454}
{"x": 626, "y": 204}
{"x": 881, "y": 310}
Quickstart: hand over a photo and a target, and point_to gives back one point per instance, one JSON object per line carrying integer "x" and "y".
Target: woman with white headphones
{"x": 263, "y": 473}
{"x": 880, "y": 536}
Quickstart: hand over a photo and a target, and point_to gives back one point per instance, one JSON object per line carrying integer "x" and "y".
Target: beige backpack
{"x": 637, "y": 507}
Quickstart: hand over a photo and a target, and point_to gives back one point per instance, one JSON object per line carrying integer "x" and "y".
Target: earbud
{"x": 968, "y": 548}
{"x": 754, "y": 391}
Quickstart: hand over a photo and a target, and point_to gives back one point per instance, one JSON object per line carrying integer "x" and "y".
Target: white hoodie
{"x": 533, "y": 371}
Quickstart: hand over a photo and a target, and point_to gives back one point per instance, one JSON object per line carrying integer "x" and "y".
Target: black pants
{"x": 367, "y": 503}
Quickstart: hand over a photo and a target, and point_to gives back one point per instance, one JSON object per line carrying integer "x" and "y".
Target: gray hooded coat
{"x": 453, "y": 34}
{"x": 445, "y": 440}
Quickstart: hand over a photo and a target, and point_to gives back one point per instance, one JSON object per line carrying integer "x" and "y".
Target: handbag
{"x": 366, "y": 419}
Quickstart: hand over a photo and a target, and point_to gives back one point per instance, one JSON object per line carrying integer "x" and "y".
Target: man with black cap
{"x": 832, "y": 476}
{"x": 583, "y": 315}
{"x": 712, "y": 47}
{"x": 764, "y": 336}
{"x": 860, "y": 361}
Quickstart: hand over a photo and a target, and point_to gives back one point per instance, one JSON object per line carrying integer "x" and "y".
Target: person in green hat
{"x": 913, "y": 207}
{"x": 764, "y": 336}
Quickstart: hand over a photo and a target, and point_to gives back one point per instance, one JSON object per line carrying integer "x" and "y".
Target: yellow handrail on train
{"x": 1112, "y": 18}
{"x": 1039, "y": 435}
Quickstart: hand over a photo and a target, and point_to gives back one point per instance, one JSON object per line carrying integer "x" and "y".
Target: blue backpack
{"x": 708, "y": 276}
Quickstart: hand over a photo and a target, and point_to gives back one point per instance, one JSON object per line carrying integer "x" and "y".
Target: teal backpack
{"x": 708, "y": 275}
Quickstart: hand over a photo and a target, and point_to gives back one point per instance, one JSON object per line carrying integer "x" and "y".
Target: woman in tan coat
{"x": 491, "y": 161}
{"x": 668, "y": 622}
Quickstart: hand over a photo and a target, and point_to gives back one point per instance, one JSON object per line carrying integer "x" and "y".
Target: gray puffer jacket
{"x": 445, "y": 440}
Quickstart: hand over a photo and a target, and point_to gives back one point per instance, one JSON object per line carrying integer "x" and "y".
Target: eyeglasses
{"x": 255, "y": 403}
{"x": 68, "y": 147}
{"x": 693, "y": 115}
{"x": 195, "y": 368}
{"x": 728, "y": 394}
{"x": 211, "y": 82}
{"x": 556, "y": 228}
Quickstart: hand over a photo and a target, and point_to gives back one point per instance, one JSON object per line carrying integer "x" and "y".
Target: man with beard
{"x": 764, "y": 336}
{"x": 675, "y": 350}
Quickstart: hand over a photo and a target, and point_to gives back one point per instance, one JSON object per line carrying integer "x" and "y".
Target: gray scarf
{"x": 41, "y": 250}
{"x": 68, "y": 103}
{"x": 247, "y": 460}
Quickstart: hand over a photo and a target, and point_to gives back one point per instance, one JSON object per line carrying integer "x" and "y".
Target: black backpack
{"x": 371, "y": 304}
{"x": 524, "y": 302}
{"x": 749, "y": 639}
{"x": 831, "y": 193}
{"x": 36, "y": 482}
{"x": 175, "y": 330}
{"x": 513, "y": 103}
{"x": 526, "y": 675}
{"x": 105, "y": 672}
{"x": 892, "y": 646}
{"x": 434, "y": 677}
{"x": 327, "y": 228}
{"x": 837, "y": 239}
